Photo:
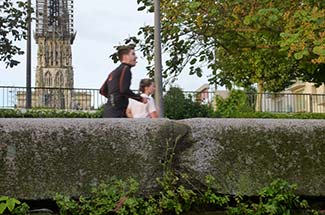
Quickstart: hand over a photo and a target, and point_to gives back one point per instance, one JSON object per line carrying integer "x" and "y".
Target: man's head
{"x": 127, "y": 55}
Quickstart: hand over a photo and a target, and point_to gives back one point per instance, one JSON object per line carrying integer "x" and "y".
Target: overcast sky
{"x": 100, "y": 25}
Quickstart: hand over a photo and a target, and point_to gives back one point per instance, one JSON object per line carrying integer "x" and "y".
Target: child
{"x": 138, "y": 109}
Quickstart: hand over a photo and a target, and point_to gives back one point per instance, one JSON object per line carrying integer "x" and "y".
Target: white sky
{"x": 100, "y": 25}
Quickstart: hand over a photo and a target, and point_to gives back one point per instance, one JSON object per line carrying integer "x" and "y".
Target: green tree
{"x": 179, "y": 106}
{"x": 236, "y": 103}
{"x": 304, "y": 33}
{"x": 304, "y": 39}
{"x": 241, "y": 42}
{"x": 13, "y": 25}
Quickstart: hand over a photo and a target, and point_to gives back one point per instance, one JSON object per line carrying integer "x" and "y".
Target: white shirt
{"x": 141, "y": 110}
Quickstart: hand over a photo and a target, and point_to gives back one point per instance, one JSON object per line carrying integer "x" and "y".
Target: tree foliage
{"x": 237, "y": 102}
{"x": 270, "y": 42}
{"x": 13, "y": 25}
{"x": 180, "y": 106}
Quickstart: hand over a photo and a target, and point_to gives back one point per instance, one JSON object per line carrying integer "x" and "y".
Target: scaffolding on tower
{"x": 54, "y": 18}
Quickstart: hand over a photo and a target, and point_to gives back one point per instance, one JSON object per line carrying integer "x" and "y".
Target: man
{"x": 116, "y": 88}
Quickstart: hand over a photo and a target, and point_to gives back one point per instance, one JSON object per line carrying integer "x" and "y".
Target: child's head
{"x": 147, "y": 86}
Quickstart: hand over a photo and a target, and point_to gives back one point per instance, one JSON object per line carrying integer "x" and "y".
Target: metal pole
{"x": 28, "y": 60}
{"x": 158, "y": 65}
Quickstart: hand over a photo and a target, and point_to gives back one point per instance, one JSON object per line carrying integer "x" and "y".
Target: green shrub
{"x": 12, "y": 206}
{"x": 118, "y": 197}
{"x": 179, "y": 106}
{"x": 268, "y": 115}
{"x": 237, "y": 102}
{"x": 277, "y": 198}
{"x": 48, "y": 113}
{"x": 104, "y": 199}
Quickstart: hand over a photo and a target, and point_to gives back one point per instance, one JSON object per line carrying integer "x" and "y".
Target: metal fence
{"x": 289, "y": 102}
{"x": 269, "y": 102}
{"x": 90, "y": 99}
{"x": 52, "y": 98}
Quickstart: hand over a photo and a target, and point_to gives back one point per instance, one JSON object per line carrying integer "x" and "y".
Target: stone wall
{"x": 247, "y": 154}
{"x": 41, "y": 157}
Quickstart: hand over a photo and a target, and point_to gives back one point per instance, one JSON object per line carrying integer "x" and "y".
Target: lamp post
{"x": 28, "y": 60}
{"x": 158, "y": 65}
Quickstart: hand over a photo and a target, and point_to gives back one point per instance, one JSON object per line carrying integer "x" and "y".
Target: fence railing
{"x": 289, "y": 102}
{"x": 90, "y": 99}
{"x": 52, "y": 98}
{"x": 269, "y": 102}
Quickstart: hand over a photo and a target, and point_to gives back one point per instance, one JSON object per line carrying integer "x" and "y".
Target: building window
{"x": 48, "y": 79}
{"x": 59, "y": 79}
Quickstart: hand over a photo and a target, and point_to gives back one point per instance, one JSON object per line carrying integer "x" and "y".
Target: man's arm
{"x": 124, "y": 84}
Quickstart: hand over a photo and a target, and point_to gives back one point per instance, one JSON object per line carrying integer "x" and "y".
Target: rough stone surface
{"x": 41, "y": 157}
{"x": 247, "y": 154}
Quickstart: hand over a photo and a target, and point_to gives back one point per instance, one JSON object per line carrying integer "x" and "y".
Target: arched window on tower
{"x": 59, "y": 79}
{"x": 47, "y": 92}
{"x": 48, "y": 79}
{"x": 56, "y": 58}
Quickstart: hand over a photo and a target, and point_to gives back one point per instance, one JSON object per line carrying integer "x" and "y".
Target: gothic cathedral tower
{"x": 54, "y": 36}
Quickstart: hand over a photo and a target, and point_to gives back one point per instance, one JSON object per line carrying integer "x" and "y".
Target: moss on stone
{"x": 41, "y": 157}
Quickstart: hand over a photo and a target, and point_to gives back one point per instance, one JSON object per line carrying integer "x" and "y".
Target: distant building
{"x": 299, "y": 97}
{"x": 202, "y": 94}
{"x": 309, "y": 98}
{"x": 54, "y": 36}
{"x": 206, "y": 95}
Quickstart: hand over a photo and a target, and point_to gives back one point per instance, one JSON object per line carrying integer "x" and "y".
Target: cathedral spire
{"x": 54, "y": 35}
